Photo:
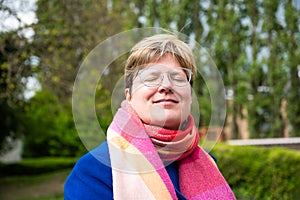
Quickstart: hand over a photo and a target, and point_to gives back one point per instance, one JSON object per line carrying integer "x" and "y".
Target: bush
{"x": 50, "y": 130}
{"x": 252, "y": 172}
{"x": 260, "y": 173}
{"x": 36, "y": 166}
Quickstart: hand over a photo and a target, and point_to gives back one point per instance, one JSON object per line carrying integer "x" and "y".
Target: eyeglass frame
{"x": 188, "y": 73}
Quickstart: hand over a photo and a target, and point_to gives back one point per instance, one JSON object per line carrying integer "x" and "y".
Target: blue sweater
{"x": 91, "y": 178}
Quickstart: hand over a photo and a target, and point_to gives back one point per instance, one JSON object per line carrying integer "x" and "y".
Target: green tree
{"x": 226, "y": 41}
{"x": 291, "y": 41}
{"x": 50, "y": 128}
{"x": 15, "y": 68}
{"x": 65, "y": 34}
{"x": 255, "y": 45}
{"x": 276, "y": 74}
{"x": 67, "y": 31}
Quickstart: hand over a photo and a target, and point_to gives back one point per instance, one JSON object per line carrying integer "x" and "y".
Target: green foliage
{"x": 14, "y": 70}
{"x": 15, "y": 66}
{"x": 11, "y": 125}
{"x": 252, "y": 172}
{"x": 50, "y": 127}
{"x": 66, "y": 33}
{"x": 260, "y": 173}
{"x": 250, "y": 42}
{"x": 34, "y": 166}
{"x": 292, "y": 63}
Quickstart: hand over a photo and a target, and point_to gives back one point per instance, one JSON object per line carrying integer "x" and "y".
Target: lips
{"x": 166, "y": 101}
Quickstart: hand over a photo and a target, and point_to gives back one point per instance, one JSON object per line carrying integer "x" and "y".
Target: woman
{"x": 152, "y": 147}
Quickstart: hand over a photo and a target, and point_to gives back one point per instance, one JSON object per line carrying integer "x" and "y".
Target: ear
{"x": 127, "y": 94}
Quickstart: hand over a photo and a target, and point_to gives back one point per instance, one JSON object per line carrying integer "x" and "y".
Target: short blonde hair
{"x": 151, "y": 49}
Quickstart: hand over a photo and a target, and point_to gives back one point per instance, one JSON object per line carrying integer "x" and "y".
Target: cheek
{"x": 186, "y": 105}
{"x": 141, "y": 98}
{"x": 141, "y": 106}
{"x": 186, "y": 95}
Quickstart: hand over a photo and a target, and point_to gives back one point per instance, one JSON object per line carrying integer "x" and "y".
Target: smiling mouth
{"x": 166, "y": 101}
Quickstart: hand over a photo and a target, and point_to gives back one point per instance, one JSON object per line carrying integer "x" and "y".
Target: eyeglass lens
{"x": 154, "y": 76}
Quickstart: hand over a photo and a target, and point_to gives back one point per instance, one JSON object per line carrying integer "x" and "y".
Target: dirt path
{"x": 52, "y": 186}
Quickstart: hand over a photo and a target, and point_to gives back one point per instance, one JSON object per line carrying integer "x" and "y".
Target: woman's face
{"x": 166, "y": 104}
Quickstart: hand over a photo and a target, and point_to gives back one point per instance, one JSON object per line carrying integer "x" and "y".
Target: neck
{"x": 174, "y": 144}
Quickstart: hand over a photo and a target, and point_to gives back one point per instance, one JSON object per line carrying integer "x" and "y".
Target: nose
{"x": 166, "y": 84}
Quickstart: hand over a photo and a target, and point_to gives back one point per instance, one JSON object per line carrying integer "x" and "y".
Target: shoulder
{"x": 96, "y": 159}
{"x": 91, "y": 176}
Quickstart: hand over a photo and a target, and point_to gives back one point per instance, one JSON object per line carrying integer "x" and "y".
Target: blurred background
{"x": 254, "y": 43}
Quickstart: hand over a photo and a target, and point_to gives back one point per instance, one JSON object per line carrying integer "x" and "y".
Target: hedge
{"x": 260, "y": 172}
{"x": 252, "y": 172}
{"x": 30, "y": 166}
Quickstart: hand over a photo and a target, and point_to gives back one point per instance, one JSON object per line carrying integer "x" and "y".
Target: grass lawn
{"x": 44, "y": 187}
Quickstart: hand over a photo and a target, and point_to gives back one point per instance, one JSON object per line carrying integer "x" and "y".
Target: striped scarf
{"x": 139, "y": 153}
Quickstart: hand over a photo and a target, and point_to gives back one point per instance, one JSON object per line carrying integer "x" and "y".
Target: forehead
{"x": 166, "y": 61}
{"x": 162, "y": 68}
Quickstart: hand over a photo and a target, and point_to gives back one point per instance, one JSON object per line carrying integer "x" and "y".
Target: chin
{"x": 170, "y": 124}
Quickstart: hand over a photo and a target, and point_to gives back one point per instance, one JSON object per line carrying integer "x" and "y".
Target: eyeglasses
{"x": 153, "y": 76}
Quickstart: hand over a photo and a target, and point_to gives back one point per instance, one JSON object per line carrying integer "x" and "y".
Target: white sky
{"x": 25, "y": 10}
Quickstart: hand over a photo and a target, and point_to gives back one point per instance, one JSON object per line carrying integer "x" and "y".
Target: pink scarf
{"x": 173, "y": 145}
{"x": 138, "y": 153}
